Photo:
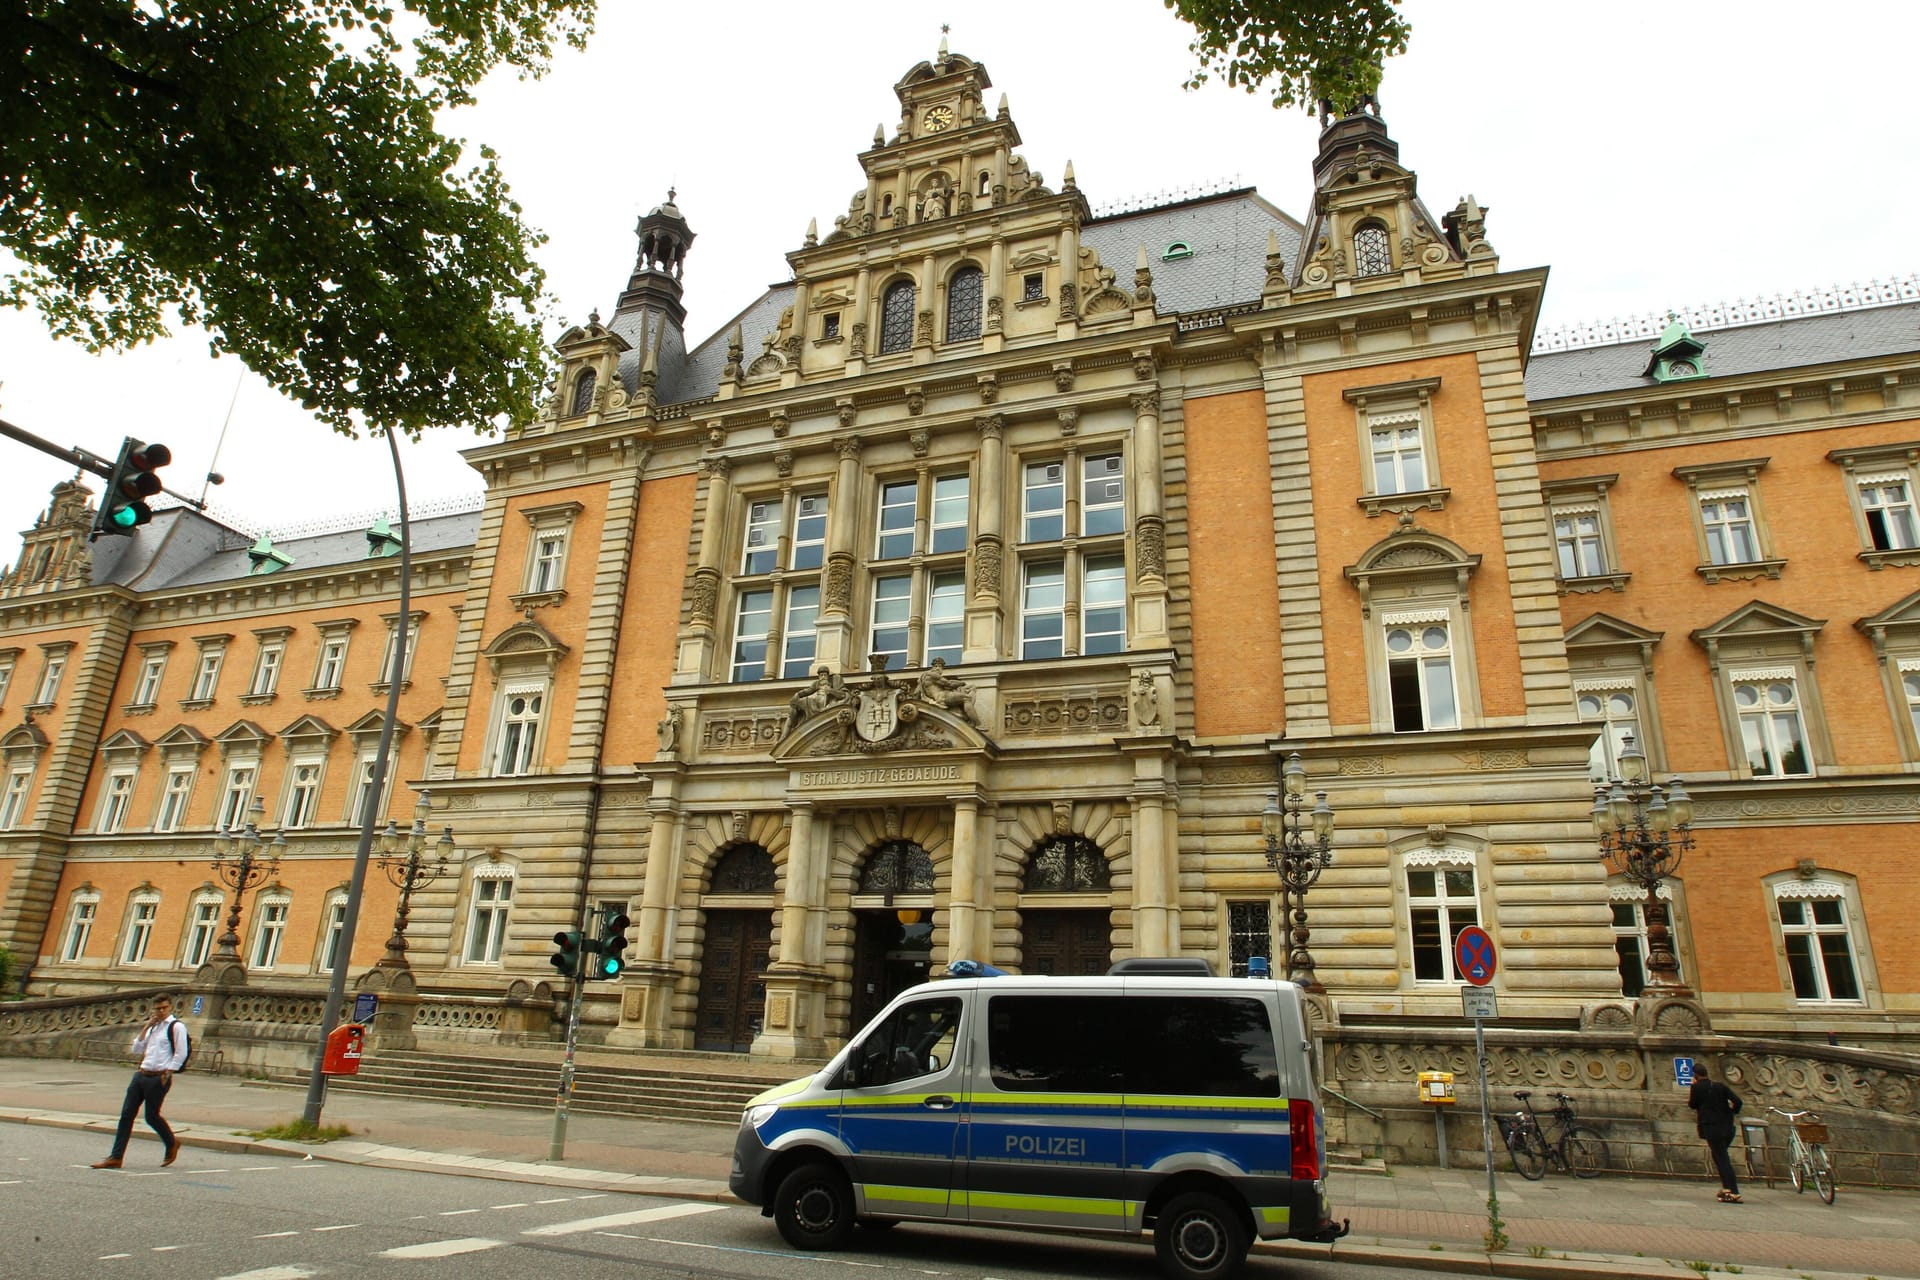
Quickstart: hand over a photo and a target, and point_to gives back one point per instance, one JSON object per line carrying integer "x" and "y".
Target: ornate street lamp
{"x": 402, "y": 858}
{"x": 239, "y": 862}
{"x": 1644, "y": 830}
{"x": 1298, "y": 859}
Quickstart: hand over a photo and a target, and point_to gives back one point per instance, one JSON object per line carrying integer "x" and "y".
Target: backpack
{"x": 184, "y": 1035}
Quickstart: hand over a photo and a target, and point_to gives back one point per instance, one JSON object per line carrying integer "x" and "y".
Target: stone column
{"x": 989, "y": 545}
{"x": 1068, "y": 325}
{"x": 962, "y": 909}
{"x": 1149, "y": 874}
{"x": 698, "y": 641}
{"x": 647, "y": 997}
{"x": 799, "y": 892}
{"x": 834, "y": 625}
{"x": 862, "y": 301}
{"x": 994, "y": 323}
{"x": 795, "y": 1021}
{"x": 924, "y": 313}
{"x": 1149, "y": 527}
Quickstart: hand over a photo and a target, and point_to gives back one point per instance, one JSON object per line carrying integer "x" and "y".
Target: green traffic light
{"x": 124, "y": 517}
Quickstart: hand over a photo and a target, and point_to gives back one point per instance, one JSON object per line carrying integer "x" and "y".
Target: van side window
{"x": 1056, "y": 1044}
{"x": 1219, "y": 1048}
{"x": 916, "y": 1040}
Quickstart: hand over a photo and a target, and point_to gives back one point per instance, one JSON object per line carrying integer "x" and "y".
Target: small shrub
{"x": 1701, "y": 1267}
{"x": 1536, "y": 1251}
{"x": 1495, "y": 1238}
{"x": 302, "y": 1130}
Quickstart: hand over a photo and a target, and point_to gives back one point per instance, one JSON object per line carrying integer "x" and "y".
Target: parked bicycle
{"x": 1807, "y": 1153}
{"x": 1577, "y": 1148}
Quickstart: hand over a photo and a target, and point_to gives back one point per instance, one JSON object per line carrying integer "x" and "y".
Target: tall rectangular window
{"x": 1819, "y": 949}
{"x": 947, "y": 618}
{"x": 1420, "y": 677}
{"x": 332, "y": 666}
{"x": 1910, "y": 690}
{"x": 303, "y": 794}
{"x": 1103, "y": 496}
{"x": 1771, "y": 730}
{"x": 1043, "y": 611}
{"x": 1399, "y": 455}
{"x": 393, "y": 641}
{"x": 1440, "y": 903}
{"x": 79, "y": 929}
{"x": 1630, "y": 946}
{"x": 173, "y": 799}
{"x": 139, "y": 930}
{"x": 549, "y": 562}
{"x": 50, "y": 679}
{"x": 1103, "y": 607}
{"x": 235, "y": 796}
{"x": 762, "y": 553}
{"x": 809, "y": 531}
{"x": 273, "y": 931}
{"x": 13, "y": 803}
{"x": 1578, "y": 544}
{"x": 206, "y": 676}
{"x": 950, "y": 506}
{"x": 266, "y": 670}
{"x": 336, "y": 928}
{"x": 362, "y": 791}
{"x": 752, "y": 622}
{"x": 798, "y": 637}
{"x": 118, "y": 799}
{"x": 1043, "y": 503}
{"x": 892, "y": 610}
{"x": 899, "y": 506}
{"x": 1887, "y": 504}
{"x": 1727, "y": 519}
{"x": 201, "y": 930}
{"x": 1249, "y": 934}
{"x": 146, "y": 690}
{"x": 519, "y": 731}
{"x": 6, "y": 679}
{"x": 487, "y": 931}
{"x": 1617, "y": 713}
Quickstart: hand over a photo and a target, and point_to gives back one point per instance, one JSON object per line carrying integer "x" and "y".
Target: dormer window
{"x": 1677, "y": 356}
{"x": 583, "y": 392}
{"x": 264, "y": 559}
{"x": 382, "y": 541}
{"x": 1177, "y": 250}
{"x": 1372, "y": 251}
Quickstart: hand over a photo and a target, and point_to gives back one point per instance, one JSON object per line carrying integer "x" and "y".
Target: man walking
{"x": 1714, "y": 1107}
{"x": 162, "y": 1046}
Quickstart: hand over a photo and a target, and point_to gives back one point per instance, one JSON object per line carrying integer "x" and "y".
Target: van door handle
{"x": 939, "y": 1102}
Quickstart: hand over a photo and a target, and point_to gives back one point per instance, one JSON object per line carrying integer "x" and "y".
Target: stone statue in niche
{"x": 669, "y": 728}
{"x": 1146, "y": 701}
{"x": 933, "y": 205}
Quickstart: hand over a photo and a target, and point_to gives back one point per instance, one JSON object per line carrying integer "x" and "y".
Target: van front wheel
{"x": 814, "y": 1207}
{"x": 1199, "y": 1236}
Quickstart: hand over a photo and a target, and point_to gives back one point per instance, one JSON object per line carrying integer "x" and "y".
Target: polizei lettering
{"x": 1032, "y": 1144}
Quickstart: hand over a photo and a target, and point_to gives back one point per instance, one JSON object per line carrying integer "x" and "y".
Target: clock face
{"x": 938, "y": 119}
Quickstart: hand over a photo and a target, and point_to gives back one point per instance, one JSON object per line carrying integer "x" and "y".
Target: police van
{"x": 1151, "y": 1099}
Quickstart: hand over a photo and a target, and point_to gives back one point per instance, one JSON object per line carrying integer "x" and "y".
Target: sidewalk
{"x": 1418, "y": 1217}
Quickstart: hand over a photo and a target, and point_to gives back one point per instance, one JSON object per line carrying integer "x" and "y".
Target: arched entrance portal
{"x": 893, "y": 926}
{"x": 1065, "y": 911}
{"x": 739, "y": 942}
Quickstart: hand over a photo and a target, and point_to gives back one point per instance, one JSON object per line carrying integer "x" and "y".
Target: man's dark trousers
{"x": 148, "y": 1091}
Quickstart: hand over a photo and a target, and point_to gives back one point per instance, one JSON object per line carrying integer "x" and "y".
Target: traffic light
{"x": 135, "y": 478}
{"x": 569, "y": 948}
{"x": 613, "y": 940}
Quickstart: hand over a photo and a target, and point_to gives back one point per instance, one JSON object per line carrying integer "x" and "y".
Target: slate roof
{"x": 198, "y": 563}
{"x": 1794, "y": 343}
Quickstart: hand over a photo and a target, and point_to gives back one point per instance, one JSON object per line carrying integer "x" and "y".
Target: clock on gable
{"x": 938, "y": 119}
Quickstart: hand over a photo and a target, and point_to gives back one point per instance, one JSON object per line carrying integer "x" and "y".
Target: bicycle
{"x": 1807, "y": 1153}
{"x": 1577, "y": 1148}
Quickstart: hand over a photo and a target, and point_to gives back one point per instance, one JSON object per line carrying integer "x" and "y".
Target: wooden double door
{"x": 733, "y": 986}
{"x": 1067, "y": 944}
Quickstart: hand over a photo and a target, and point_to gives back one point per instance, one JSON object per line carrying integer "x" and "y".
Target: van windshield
{"x": 1207, "y": 1047}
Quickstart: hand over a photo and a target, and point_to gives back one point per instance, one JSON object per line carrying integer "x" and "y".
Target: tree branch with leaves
{"x": 1304, "y": 52}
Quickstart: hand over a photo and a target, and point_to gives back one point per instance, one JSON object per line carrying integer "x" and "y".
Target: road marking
{"x": 442, "y": 1248}
{"x": 345, "y": 1226}
{"x": 167, "y": 1248}
{"x": 275, "y": 1235}
{"x": 728, "y": 1248}
{"x": 454, "y": 1213}
{"x": 273, "y": 1273}
{"x": 555, "y": 1200}
{"x": 657, "y": 1214}
{"x": 112, "y": 1257}
{"x": 259, "y": 1168}
{"x": 12, "y": 1182}
{"x": 517, "y": 1204}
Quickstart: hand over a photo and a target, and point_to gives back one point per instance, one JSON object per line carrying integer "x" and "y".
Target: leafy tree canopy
{"x": 1302, "y": 51}
{"x": 271, "y": 170}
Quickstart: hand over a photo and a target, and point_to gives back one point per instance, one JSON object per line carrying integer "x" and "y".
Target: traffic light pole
{"x": 557, "y": 1149}
{"x": 78, "y": 457}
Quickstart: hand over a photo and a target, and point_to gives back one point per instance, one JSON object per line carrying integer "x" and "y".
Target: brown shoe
{"x": 173, "y": 1150}
{"x": 111, "y": 1162}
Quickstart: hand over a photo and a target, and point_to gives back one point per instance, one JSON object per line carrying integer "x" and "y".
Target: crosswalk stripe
{"x": 657, "y": 1214}
{"x": 442, "y": 1248}
{"x": 273, "y": 1273}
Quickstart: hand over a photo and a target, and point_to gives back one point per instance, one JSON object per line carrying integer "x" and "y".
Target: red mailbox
{"x": 342, "y": 1057}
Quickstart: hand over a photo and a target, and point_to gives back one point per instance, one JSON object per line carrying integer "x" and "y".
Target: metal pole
{"x": 343, "y": 958}
{"x": 1486, "y": 1114}
{"x": 557, "y": 1149}
{"x": 1440, "y": 1133}
{"x": 80, "y": 458}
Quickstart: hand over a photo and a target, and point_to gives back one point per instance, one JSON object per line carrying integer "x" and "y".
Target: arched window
{"x": 963, "y": 304}
{"x": 745, "y": 868}
{"x": 583, "y": 393}
{"x": 898, "y": 866}
{"x": 986, "y": 183}
{"x": 1372, "y": 252}
{"x": 896, "y": 317}
{"x": 1067, "y": 864}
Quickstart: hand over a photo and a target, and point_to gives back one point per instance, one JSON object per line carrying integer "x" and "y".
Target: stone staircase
{"x": 704, "y": 1088}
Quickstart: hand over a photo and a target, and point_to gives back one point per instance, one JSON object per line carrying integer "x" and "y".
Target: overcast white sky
{"x": 1651, "y": 154}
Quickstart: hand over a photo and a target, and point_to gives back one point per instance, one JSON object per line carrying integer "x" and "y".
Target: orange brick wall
{"x": 1237, "y": 680}
{"x": 1471, "y": 519}
{"x": 649, "y": 633}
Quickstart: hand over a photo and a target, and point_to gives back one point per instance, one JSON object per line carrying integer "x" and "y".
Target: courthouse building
{"x": 966, "y": 595}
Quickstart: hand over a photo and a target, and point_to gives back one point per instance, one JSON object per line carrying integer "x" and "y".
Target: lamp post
{"x": 238, "y": 861}
{"x": 1644, "y": 830}
{"x": 403, "y": 859}
{"x": 1299, "y": 848}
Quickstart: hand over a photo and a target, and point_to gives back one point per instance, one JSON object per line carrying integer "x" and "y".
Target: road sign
{"x": 1473, "y": 955}
{"x": 199, "y": 1005}
{"x": 1683, "y": 1072}
{"x": 1479, "y": 1002}
{"x": 365, "y": 1005}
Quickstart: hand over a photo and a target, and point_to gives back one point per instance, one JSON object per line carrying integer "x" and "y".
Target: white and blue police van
{"x": 1156, "y": 1098}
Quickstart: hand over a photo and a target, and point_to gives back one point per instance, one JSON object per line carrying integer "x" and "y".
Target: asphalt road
{"x": 219, "y": 1217}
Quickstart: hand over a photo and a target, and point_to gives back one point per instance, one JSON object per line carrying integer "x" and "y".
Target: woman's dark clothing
{"x": 1714, "y": 1107}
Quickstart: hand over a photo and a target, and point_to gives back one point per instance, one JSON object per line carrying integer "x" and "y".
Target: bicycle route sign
{"x": 1473, "y": 955}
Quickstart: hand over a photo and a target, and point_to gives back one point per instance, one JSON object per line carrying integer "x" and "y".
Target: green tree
{"x": 272, "y": 171}
{"x": 1302, "y": 51}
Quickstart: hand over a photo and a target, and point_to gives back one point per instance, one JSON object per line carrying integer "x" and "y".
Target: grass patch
{"x": 302, "y": 1130}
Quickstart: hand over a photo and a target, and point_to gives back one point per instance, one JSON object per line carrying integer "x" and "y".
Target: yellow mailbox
{"x": 1436, "y": 1088}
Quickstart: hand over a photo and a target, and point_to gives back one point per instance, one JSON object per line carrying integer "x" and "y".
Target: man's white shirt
{"x": 159, "y": 1048}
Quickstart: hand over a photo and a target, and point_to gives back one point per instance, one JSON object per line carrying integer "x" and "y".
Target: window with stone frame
{"x": 897, "y": 866}
{"x": 269, "y": 656}
{"x": 203, "y": 929}
{"x": 1422, "y": 685}
{"x": 236, "y": 793}
{"x": 1821, "y": 934}
{"x": 1067, "y": 864}
{"x": 142, "y": 912}
{"x": 1249, "y": 934}
{"x": 1612, "y": 707}
{"x": 1372, "y": 250}
{"x": 965, "y": 295}
{"x": 53, "y": 666}
{"x": 360, "y": 792}
{"x": 13, "y": 800}
{"x": 1734, "y": 541}
{"x": 897, "y": 313}
{"x": 302, "y": 807}
{"x": 330, "y": 667}
{"x": 549, "y": 535}
{"x": 1611, "y": 661}
{"x": 522, "y": 714}
{"x": 1894, "y": 633}
{"x": 210, "y": 656}
{"x": 1402, "y": 466}
{"x": 1772, "y": 715}
{"x": 1442, "y": 899}
{"x": 1072, "y": 555}
{"x": 744, "y": 868}
{"x": 8, "y": 659}
{"x": 1417, "y": 632}
{"x": 777, "y": 605}
{"x": 1586, "y": 556}
{"x": 491, "y": 909}
{"x": 583, "y": 392}
{"x": 416, "y": 619}
{"x": 116, "y": 799}
{"x": 153, "y": 669}
{"x": 1881, "y": 482}
{"x": 1629, "y": 904}
{"x": 332, "y": 930}
{"x": 270, "y": 928}
{"x": 916, "y": 597}
{"x": 79, "y": 931}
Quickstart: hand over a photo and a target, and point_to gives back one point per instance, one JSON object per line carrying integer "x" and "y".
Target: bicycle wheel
{"x": 1529, "y": 1154}
{"x": 1822, "y": 1172}
{"x": 1585, "y": 1152}
{"x": 1798, "y": 1167}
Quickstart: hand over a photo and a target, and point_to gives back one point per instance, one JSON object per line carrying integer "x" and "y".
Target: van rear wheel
{"x": 1199, "y": 1236}
{"x": 814, "y": 1207}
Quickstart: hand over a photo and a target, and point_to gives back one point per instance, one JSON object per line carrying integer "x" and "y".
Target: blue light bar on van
{"x": 974, "y": 969}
